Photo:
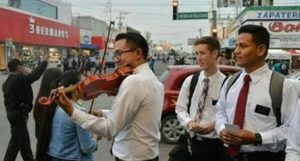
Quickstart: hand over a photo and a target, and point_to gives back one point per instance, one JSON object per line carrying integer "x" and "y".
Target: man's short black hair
{"x": 211, "y": 42}
{"x": 135, "y": 40}
{"x": 13, "y": 64}
{"x": 260, "y": 35}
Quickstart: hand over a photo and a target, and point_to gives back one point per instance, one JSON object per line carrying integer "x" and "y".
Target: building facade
{"x": 282, "y": 22}
{"x": 27, "y": 36}
{"x": 53, "y": 9}
{"x": 93, "y": 34}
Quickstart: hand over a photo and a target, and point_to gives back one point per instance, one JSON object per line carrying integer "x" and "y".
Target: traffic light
{"x": 175, "y": 9}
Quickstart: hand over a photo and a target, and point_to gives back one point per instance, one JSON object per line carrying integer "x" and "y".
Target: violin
{"x": 94, "y": 85}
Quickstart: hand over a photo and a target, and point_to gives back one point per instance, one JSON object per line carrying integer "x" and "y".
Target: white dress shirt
{"x": 293, "y": 141}
{"x": 209, "y": 112}
{"x": 273, "y": 137}
{"x": 134, "y": 119}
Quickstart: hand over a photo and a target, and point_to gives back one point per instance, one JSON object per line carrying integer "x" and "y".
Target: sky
{"x": 155, "y": 16}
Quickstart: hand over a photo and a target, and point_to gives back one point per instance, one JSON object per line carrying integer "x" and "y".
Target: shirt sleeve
{"x": 86, "y": 141}
{"x": 293, "y": 141}
{"x": 288, "y": 106}
{"x": 125, "y": 105}
{"x": 221, "y": 115}
{"x": 182, "y": 103}
{"x": 34, "y": 75}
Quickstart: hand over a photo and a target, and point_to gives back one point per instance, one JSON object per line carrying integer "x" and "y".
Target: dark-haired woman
{"x": 43, "y": 115}
{"x": 69, "y": 141}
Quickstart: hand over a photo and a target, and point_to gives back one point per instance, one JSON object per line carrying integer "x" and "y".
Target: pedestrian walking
{"x": 18, "y": 97}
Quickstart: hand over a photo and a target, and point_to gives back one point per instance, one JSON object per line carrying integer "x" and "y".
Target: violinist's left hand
{"x": 64, "y": 102}
{"x": 97, "y": 137}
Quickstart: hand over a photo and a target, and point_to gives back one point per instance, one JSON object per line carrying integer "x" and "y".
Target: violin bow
{"x": 103, "y": 58}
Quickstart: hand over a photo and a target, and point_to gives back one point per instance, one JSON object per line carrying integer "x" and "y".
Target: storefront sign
{"x": 34, "y": 30}
{"x": 284, "y": 27}
{"x": 39, "y": 29}
{"x": 85, "y": 36}
{"x": 284, "y": 43}
{"x": 280, "y": 29}
{"x": 278, "y": 15}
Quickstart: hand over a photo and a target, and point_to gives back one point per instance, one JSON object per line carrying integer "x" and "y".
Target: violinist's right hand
{"x": 97, "y": 113}
{"x": 64, "y": 102}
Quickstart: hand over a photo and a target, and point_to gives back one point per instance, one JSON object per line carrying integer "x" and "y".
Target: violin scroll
{"x": 48, "y": 101}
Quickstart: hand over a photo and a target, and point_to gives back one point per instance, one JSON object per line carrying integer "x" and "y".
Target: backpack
{"x": 275, "y": 90}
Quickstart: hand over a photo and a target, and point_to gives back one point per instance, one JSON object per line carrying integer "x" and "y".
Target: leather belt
{"x": 154, "y": 159}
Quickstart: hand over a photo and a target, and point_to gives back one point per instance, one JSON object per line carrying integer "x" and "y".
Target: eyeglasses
{"x": 118, "y": 53}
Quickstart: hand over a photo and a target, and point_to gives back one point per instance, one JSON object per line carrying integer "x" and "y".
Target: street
{"x": 103, "y": 101}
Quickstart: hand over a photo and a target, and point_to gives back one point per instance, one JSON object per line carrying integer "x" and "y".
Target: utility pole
{"x": 213, "y": 27}
{"x": 107, "y": 11}
{"x": 200, "y": 32}
{"x": 120, "y": 23}
{"x": 120, "y": 18}
{"x": 237, "y": 7}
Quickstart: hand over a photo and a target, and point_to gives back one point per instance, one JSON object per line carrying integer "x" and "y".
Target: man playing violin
{"x": 134, "y": 119}
{"x": 18, "y": 97}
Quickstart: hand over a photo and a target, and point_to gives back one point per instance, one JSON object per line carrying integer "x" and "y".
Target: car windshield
{"x": 164, "y": 76}
{"x": 294, "y": 75}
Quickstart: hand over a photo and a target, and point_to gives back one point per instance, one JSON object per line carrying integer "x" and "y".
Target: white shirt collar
{"x": 140, "y": 68}
{"x": 256, "y": 75}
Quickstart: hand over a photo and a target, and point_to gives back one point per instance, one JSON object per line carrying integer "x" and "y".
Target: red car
{"x": 172, "y": 79}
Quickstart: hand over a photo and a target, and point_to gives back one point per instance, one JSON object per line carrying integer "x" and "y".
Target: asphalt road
{"x": 103, "y": 101}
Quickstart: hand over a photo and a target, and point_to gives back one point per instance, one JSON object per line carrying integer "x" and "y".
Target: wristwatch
{"x": 258, "y": 140}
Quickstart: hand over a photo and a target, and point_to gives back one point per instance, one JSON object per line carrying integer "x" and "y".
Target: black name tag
{"x": 262, "y": 110}
{"x": 214, "y": 102}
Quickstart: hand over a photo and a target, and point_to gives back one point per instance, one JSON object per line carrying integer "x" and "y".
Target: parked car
{"x": 172, "y": 79}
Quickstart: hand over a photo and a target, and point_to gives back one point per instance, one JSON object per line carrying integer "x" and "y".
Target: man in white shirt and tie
{"x": 247, "y": 103}
{"x": 200, "y": 121}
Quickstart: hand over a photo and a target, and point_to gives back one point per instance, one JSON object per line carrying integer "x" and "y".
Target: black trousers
{"x": 19, "y": 140}
{"x": 260, "y": 156}
{"x": 208, "y": 150}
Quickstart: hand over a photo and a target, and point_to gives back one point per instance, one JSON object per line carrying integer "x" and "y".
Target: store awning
{"x": 294, "y": 52}
{"x": 88, "y": 46}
